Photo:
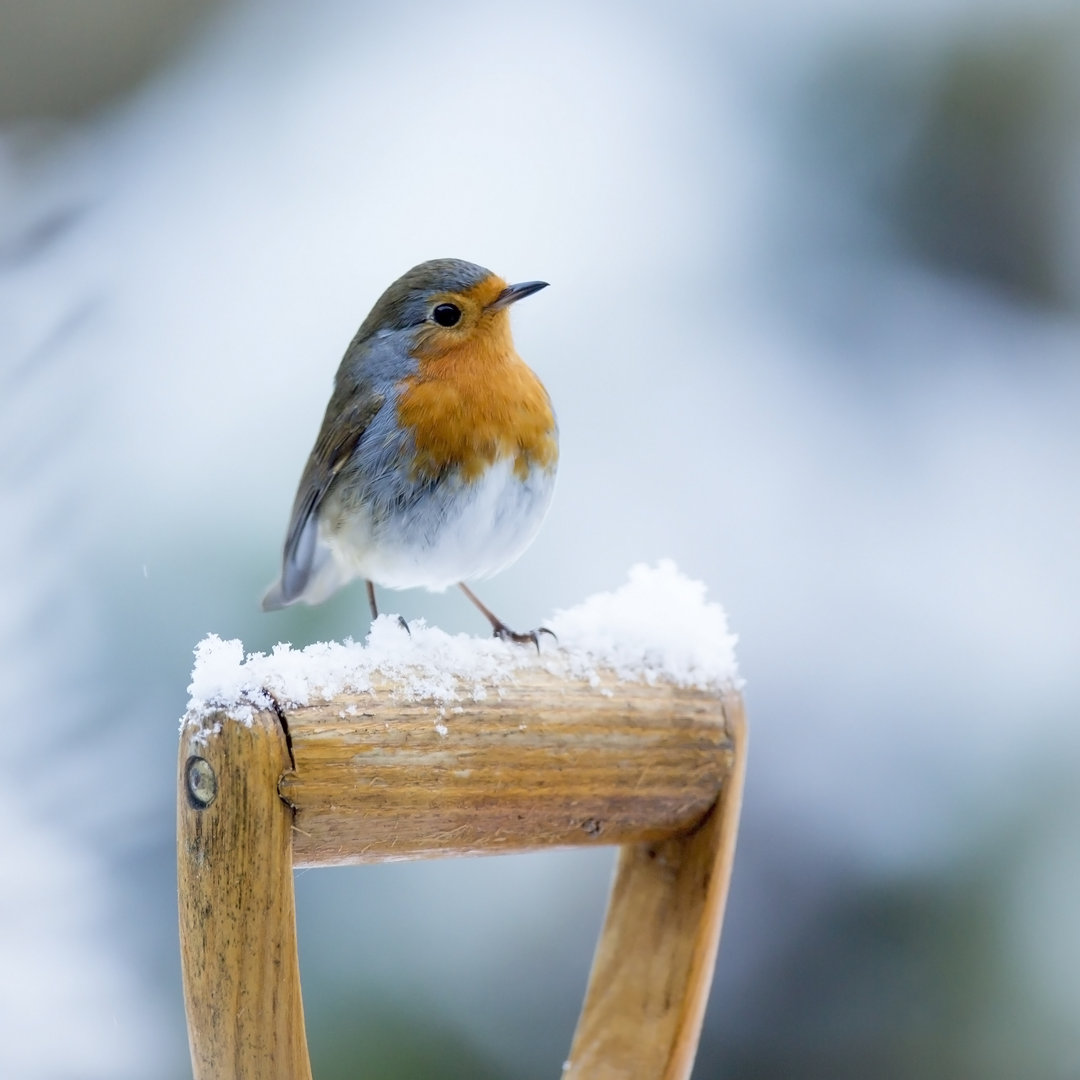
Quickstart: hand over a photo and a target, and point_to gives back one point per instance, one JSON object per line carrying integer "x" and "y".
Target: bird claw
{"x": 401, "y": 622}
{"x": 504, "y": 633}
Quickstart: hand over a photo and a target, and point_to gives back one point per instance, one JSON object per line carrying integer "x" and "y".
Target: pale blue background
{"x": 812, "y": 332}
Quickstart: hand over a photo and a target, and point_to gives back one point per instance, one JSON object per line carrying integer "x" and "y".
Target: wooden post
{"x": 537, "y": 761}
{"x": 653, "y": 967}
{"x": 237, "y": 914}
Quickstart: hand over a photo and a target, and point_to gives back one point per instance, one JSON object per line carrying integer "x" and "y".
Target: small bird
{"x": 436, "y": 460}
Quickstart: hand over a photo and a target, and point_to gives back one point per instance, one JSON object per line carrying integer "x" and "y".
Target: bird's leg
{"x": 499, "y": 628}
{"x": 375, "y": 608}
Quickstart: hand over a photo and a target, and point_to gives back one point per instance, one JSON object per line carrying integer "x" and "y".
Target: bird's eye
{"x": 446, "y": 314}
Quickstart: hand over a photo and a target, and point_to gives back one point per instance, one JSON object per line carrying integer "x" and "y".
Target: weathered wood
{"x": 654, "y": 963}
{"x": 237, "y": 914}
{"x": 539, "y": 761}
{"x": 534, "y": 761}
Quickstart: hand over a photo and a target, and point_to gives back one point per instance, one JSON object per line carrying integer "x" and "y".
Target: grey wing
{"x": 342, "y": 430}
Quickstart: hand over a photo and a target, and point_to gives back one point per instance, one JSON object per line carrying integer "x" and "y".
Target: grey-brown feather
{"x": 347, "y": 419}
{"x": 405, "y": 303}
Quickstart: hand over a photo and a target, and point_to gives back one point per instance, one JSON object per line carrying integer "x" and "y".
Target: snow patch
{"x": 657, "y": 627}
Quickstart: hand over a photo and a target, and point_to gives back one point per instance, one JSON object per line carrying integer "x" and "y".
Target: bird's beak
{"x": 513, "y": 293}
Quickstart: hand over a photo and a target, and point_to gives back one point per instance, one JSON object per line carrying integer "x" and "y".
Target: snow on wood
{"x": 656, "y": 627}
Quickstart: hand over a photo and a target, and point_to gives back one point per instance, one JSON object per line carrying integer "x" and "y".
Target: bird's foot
{"x": 402, "y": 623}
{"x": 504, "y": 633}
{"x": 500, "y": 629}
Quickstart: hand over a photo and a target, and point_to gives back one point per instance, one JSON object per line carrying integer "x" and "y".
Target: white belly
{"x": 460, "y": 533}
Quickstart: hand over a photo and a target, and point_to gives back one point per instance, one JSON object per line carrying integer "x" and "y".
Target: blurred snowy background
{"x": 813, "y": 331}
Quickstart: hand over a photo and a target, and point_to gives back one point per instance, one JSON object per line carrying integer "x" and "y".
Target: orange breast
{"x": 475, "y": 402}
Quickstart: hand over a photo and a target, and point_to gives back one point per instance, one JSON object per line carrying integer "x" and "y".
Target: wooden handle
{"x": 237, "y": 914}
{"x": 653, "y": 966}
{"x": 538, "y": 762}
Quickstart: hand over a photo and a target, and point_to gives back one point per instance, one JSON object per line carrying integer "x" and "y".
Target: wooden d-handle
{"x": 537, "y": 762}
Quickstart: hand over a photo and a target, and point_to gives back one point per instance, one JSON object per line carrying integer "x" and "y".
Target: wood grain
{"x": 654, "y": 963}
{"x": 537, "y": 762}
{"x": 237, "y": 914}
{"x": 530, "y": 762}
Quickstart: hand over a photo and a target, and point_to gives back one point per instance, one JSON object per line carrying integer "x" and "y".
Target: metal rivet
{"x": 201, "y": 782}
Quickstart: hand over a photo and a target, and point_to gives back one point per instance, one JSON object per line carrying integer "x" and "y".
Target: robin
{"x": 436, "y": 459}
